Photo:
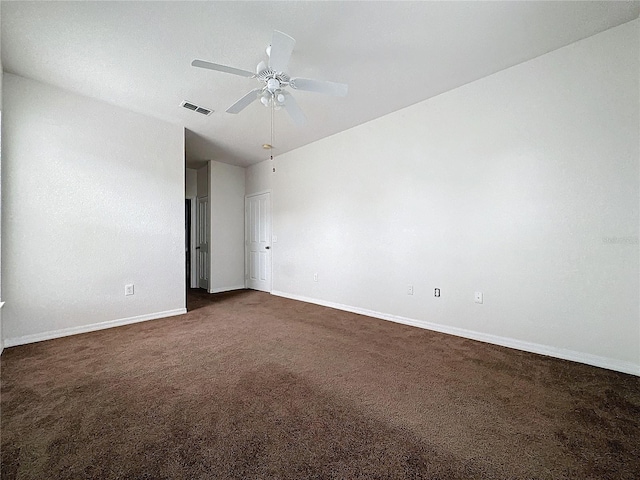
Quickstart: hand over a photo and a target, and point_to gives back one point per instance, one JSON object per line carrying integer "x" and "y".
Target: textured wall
{"x": 93, "y": 199}
{"x": 227, "y": 226}
{"x": 522, "y": 185}
{"x": 1, "y": 332}
{"x": 191, "y": 183}
{"x": 202, "y": 181}
{"x": 258, "y": 177}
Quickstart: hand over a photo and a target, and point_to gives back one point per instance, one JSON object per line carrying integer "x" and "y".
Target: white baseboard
{"x": 64, "y": 332}
{"x": 227, "y": 289}
{"x": 580, "y": 357}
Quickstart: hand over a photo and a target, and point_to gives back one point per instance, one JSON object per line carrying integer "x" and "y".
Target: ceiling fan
{"x": 275, "y": 79}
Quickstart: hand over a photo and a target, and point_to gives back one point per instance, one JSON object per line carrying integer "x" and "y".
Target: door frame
{"x": 246, "y": 237}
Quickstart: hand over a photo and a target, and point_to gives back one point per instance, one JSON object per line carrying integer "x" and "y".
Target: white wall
{"x": 258, "y": 177}
{"x": 224, "y": 186}
{"x": 226, "y": 202}
{"x": 191, "y": 183}
{"x": 93, "y": 199}
{"x": 523, "y": 185}
{"x": 1, "y": 303}
{"x": 202, "y": 184}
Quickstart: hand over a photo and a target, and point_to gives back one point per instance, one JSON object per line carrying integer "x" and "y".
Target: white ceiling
{"x": 392, "y": 54}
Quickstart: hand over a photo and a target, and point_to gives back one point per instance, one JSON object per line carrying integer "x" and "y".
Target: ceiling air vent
{"x": 195, "y": 108}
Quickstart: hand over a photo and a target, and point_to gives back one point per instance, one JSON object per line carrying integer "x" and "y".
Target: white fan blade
{"x": 222, "y": 68}
{"x": 319, "y": 86}
{"x": 281, "y": 48}
{"x": 292, "y": 108}
{"x": 245, "y": 101}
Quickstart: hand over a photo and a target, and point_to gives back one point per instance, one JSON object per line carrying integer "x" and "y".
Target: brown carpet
{"x": 251, "y": 386}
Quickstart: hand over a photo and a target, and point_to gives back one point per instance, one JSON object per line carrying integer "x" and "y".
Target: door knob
{"x": 267, "y": 248}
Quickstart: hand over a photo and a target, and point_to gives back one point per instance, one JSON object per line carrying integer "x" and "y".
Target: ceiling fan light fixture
{"x": 275, "y": 80}
{"x": 273, "y": 85}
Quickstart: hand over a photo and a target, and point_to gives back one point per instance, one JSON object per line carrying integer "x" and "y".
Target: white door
{"x": 202, "y": 242}
{"x": 258, "y": 242}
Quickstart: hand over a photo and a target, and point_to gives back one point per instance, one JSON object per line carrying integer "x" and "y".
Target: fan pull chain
{"x": 271, "y": 144}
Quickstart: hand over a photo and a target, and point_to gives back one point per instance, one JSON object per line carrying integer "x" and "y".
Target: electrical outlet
{"x": 479, "y": 297}
{"x": 436, "y": 293}
{"x": 315, "y": 277}
{"x": 128, "y": 289}
{"x": 410, "y": 290}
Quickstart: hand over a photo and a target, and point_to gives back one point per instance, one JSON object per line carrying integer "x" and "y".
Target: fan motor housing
{"x": 268, "y": 73}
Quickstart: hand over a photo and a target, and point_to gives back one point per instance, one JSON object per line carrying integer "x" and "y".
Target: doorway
{"x": 190, "y": 236}
{"x": 187, "y": 240}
